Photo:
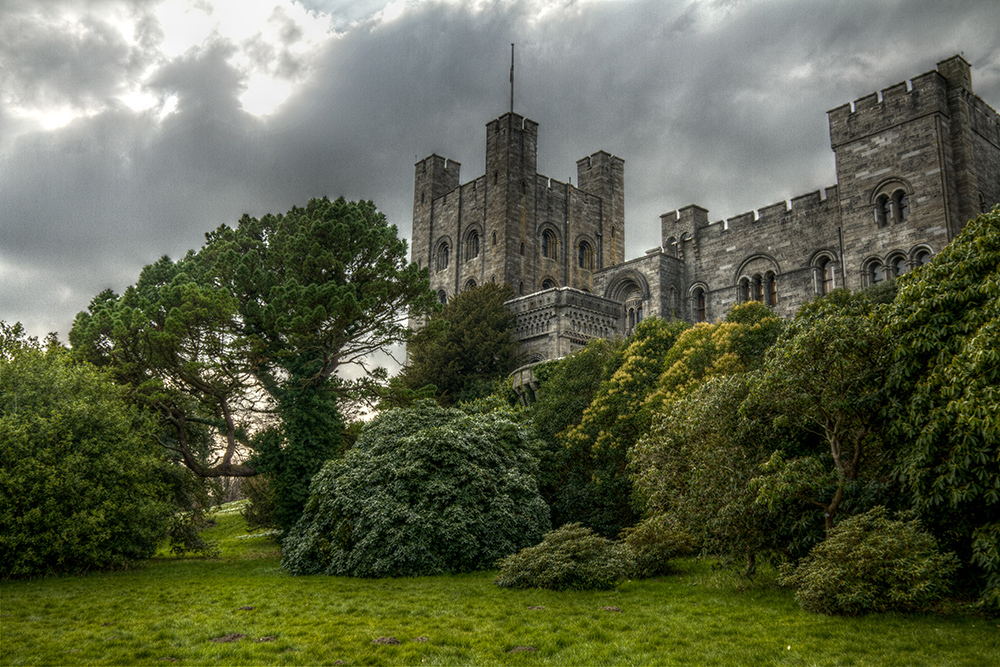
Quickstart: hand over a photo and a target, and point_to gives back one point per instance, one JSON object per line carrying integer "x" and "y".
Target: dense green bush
{"x": 871, "y": 563}
{"x": 654, "y": 542}
{"x": 426, "y": 490}
{"x": 81, "y": 486}
{"x": 570, "y": 557}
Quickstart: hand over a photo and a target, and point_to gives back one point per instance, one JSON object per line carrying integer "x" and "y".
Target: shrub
{"x": 426, "y": 490}
{"x": 80, "y": 483}
{"x": 571, "y": 557}
{"x": 258, "y": 511}
{"x": 655, "y": 542}
{"x": 872, "y": 564}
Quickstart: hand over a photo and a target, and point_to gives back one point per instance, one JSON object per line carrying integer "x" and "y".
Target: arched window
{"x": 700, "y": 305}
{"x": 494, "y": 238}
{"x": 442, "y": 296}
{"x": 638, "y": 315}
{"x": 672, "y": 247}
{"x": 772, "y": 288}
{"x": 522, "y": 248}
{"x": 891, "y": 201}
{"x": 898, "y": 264}
{"x": 472, "y": 245}
{"x": 586, "y": 256}
{"x": 875, "y": 272}
{"x": 442, "y": 256}
{"x": 549, "y": 244}
{"x": 548, "y": 283}
{"x": 758, "y": 288}
{"x": 827, "y": 270}
{"x": 470, "y": 283}
{"x": 883, "y": 211}
{"x": 922, "y": 257}
{"x": 743, "y": 291}
{"x": 900, "y": 205}
{"x": 520, "y": 288}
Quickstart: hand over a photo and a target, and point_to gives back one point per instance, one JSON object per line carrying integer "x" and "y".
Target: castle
{"x": 914, "y": 163}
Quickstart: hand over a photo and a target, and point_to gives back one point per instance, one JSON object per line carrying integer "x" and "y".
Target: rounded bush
{"x": 426, "y": 490}
{"x": 570, "y": 557}
{"x": 654, "y": 542}
{"x": 871, "y": 563}
{"x": 80, "y": 483}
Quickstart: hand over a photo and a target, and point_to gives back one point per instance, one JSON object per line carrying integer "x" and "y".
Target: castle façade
{"x": 914, "y": 163}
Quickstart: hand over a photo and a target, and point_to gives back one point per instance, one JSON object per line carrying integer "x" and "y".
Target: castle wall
{"x": 914, "y": 162}
{"x": 985, "y": 130}
{"x": 559, "y": 321}
{"x": 780, "y": 239}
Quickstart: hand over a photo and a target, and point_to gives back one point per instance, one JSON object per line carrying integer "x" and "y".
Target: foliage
{"x": 464, "y": 348}
{"x": 871, "y": 563}
{"x": 80, "y": 487}
{"x": 258, "y": 511}
{"x": 572, "y": 557}
{"x": 654, "y": 542}
{"x": 248, "y": 334}
{"x": 695, "y": 468}
{"x": 945, "y": 391}
{"x": 425, "y": 490}
{"x": 566, "y": 387}
{"x": 826, "y": 373}
{"x": 615, "y": 420}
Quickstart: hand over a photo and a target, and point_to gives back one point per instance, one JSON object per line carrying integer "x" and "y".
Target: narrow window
{"x": 586, "y": 256}
{"x": 472, "y": 245}
{"x": 758, "y": 288}
{"x": 743, "y": 292}
{"x": 876, "y": 273}
{"x": 549, "y": 244}
{"x": 828, "y": 276}
{"x": 520, "y": 286}
{"x": 442, "y": 256}
{"x": 700, "y": 308}
{"x": 442, "y": 296}
{"x": 772, "y": 289}
{"x": 494, "y": 238}
{"x": 883, "y": 214}
{"x": 901, "y": 204}
{"x": 522, "y": 248}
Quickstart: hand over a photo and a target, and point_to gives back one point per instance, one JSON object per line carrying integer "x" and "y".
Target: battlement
{"x": 920, "y": 96}
{"x": 512, "y": 121}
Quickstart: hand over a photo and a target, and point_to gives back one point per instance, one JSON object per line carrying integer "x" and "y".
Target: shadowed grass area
{"x": 172, "y": 609}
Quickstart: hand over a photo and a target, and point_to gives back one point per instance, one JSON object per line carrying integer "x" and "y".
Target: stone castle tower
{"x": 914, "y": 163}
{"x": 513, "y": 224}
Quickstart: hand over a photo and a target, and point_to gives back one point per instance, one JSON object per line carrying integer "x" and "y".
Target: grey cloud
{"x": 722, "y": 105}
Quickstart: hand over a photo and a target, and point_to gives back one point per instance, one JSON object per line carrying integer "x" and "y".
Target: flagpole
{"x": 512, "y": 78}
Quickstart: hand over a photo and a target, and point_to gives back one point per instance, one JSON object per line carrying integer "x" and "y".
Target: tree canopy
{"x": 945, "y": 394}
{"x": 80, "y": 484}
{"x": 464, "y": 349}
{"x": 251, "y": 338}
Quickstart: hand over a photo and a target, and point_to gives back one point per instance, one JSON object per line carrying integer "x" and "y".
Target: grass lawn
{"x": 172, "y": 610}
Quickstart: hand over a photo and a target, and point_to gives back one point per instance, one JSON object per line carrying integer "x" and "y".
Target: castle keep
{"x": 914, "y": 163}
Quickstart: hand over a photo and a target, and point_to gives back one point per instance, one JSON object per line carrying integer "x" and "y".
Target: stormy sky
{"x": 129, "y": 128}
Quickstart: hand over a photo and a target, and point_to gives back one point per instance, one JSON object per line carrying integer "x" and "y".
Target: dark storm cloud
{"x": 716, "y": 103}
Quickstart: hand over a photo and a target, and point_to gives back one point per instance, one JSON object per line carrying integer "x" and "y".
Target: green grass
{"x": 170, "y": 610}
